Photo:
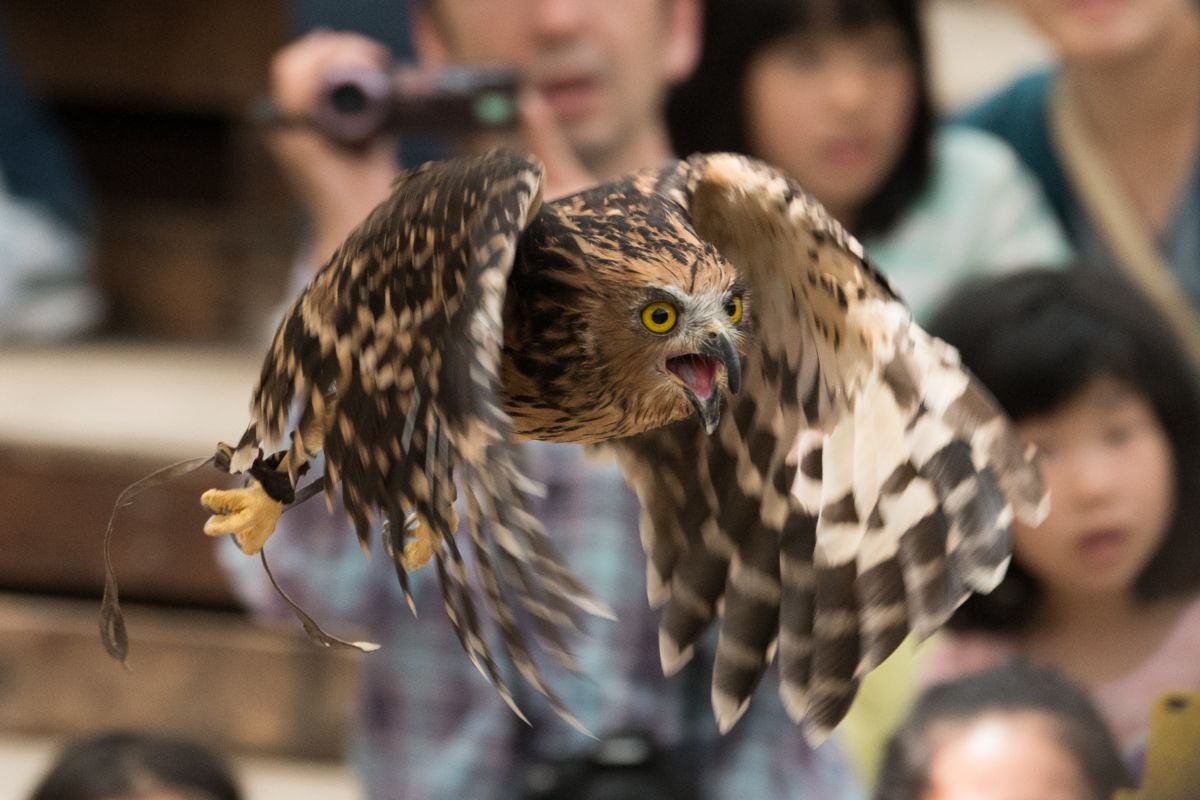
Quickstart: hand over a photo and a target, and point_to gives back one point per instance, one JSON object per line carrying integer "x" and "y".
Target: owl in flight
{"x": 815, "y": 471}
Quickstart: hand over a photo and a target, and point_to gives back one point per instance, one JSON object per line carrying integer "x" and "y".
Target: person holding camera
{"x": 596, "y": 74}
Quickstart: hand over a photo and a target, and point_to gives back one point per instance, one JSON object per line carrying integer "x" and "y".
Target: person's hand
{"x": 544, "y": 137}
{"x": 337, "y": 186}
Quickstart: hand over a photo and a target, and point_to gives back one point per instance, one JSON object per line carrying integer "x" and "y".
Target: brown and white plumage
{"x": 860, "y": 486}
{"x": 857, "y": 486}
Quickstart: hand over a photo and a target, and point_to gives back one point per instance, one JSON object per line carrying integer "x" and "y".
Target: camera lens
{"x": 348, "y": 99}
{"x": 354, "y": 104}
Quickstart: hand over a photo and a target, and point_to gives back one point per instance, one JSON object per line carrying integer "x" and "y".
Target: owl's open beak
{"x": 719, "y": 345}
{"x": 698, "y": 373}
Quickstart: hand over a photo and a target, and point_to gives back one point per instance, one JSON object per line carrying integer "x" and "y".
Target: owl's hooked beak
{"x": 698, "y": 371}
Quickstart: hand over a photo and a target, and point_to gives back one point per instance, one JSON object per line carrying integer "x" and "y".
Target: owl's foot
{"x": 419, "y": 547}
{"x": 249, "y": 514}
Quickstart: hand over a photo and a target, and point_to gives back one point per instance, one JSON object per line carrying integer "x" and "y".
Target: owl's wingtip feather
{"x": 671, "y": 655}
{"x": 727, "y": 710}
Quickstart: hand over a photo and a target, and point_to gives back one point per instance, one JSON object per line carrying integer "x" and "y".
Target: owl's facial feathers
{"x": 619, "y": 317}
{"x": 698, "y": 349}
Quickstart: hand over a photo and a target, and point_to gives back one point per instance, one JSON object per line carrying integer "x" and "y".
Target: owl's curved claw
{"x": 249, "y": 514}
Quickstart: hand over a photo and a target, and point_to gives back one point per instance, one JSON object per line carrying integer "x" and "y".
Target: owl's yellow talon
{"x": 419, "y": 549}
{"x": 248, "y": 514}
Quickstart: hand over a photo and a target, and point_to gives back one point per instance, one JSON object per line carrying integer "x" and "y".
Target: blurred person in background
{"x": 46, "y": 290}
{"x": 1013, "y": 732}
{"x": 1112, "y": 131}
{"x": 128, "y": 765}
{"x": 592, "y": 110}
{"x": 837, "y": 94}
{"x": 1107, "y": 588}
{"x": 429, "y": 725}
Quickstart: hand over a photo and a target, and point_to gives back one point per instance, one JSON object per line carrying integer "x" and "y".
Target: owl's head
{"x": 620, "y": 319}
{"x": 673, "y": 337}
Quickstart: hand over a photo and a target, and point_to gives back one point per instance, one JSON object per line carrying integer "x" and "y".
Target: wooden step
{"x": 209, "y": 675}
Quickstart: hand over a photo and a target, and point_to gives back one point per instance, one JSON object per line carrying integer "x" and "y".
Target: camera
{"x": 356, "y": 104}
{"x": 625, "y": 765}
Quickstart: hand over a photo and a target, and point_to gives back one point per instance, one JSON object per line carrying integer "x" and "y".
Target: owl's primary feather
{"x": 812, "y": 467}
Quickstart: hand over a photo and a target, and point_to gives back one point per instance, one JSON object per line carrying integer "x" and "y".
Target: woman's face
{"x": 1110, "y": 470}
{"x": 1104, "y": 30}
{"x": 833, "y": 109}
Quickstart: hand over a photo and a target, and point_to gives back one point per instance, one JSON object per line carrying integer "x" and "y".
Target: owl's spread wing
{"x": 860, "y": 485}
{"x": 391, "y": 357}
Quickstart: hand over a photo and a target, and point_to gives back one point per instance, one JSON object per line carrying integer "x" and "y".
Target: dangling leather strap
{"x": 1118, "y": 221}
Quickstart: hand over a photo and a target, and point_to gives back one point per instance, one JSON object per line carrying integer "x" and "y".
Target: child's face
{"x": 1105, "y": 29}
{"x": 1110, "y": 470}
{"x": 1005, "y": 756}
{"x": 833, "y": 109}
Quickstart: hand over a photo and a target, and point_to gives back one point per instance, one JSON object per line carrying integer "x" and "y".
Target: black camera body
{"x": 356, "y": 104}
{"x": 627, "y": 765}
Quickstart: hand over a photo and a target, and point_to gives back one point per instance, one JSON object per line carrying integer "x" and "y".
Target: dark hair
{"x": 1008, "y": 689}
{"x": 708, "y": 112}
{"x": 121, "y": 763}
{"x": 1038, "y": 337}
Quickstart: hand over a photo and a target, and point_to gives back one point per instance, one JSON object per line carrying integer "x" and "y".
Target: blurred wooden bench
{"x": 207, "y": 675}
{"x": 196, "y": 233}
{"x": 76, "y": 426}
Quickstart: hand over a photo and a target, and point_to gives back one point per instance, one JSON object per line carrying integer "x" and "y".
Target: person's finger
{"x": 297, "y": 70}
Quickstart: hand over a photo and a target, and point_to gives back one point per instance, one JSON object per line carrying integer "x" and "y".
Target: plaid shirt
{"x": 431, "y": 727}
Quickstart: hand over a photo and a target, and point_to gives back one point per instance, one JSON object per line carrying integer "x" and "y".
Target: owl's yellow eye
{"x": 733, "y": 307}
{"x": 659, "y": 317}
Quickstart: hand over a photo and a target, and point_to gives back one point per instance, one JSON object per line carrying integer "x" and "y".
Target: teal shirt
{"x": 1018, "y": 115}
{"x": 982, "y": 212}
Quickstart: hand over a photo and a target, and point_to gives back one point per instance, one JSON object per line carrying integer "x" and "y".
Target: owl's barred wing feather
{"x": 860, "y": 486}
{"x": 392, "y": 357}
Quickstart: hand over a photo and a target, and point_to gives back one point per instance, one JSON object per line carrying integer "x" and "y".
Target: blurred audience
{"x": 1107, "y": 588}
{"x": 46, "y": 291}
{"x": 837, "y": 93}
{"x": 429, "y": 725}
{"x": 1013, "y": 732}
{"x": 128, "y": 765}
{"x": 593, "y": 109}
{"x": 1112, "y": 131}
